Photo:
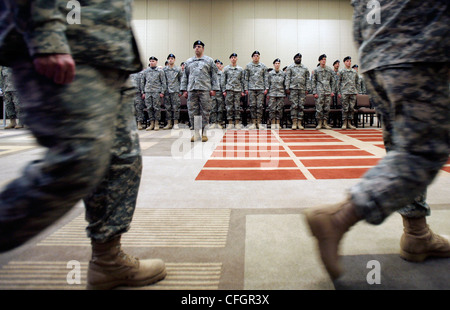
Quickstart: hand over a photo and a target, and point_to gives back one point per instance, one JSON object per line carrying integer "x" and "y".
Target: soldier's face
{"x": 233, "y": 60}
{"x": 323, "y": 61}
{"x": 276, "y": 65}
{"x": 348, "y": 63}
{"x": 171, "y": 60}
{"x": 255, "y": 58}
{"x": 336, "y": 66}
{"x": 153, "y": 63}
{"x": 298, "y": 60}
{"x": 199, "y": 49}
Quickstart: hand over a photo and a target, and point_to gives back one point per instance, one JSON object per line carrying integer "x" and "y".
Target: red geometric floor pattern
{"x": 291, "y": 155}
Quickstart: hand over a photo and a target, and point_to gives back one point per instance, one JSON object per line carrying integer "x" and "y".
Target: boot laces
{"x": 129, "y": 259}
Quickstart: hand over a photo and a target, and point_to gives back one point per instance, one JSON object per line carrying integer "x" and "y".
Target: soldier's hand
{"x": 212, "y": 93}
{"x": 58, "y": 67}
{"x": 332, "y": 94}
{"x": 246, "y": 92}
{"x": 316, "y": 96}
{"x": 161, "y": 95}
{"x": 288, "y": 91}
{"x": 185, "y": 94}
{"x": 224, "y": 93}
{"x": 266, "y": 91}
{"x": 242, "y": 94}
{"x": 143, "y": 96}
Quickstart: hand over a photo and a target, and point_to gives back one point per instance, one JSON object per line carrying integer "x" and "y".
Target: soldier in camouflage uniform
{"x": 275, "y": 81}
{"x": 256, "y": 89}
{"x": 405, "y": 62}
{"x": 298, "y": 84}
{"x": 154, "y": 85}
{"x": 336, "y": 65}
{"x": 10, "y": 98}
{"x": 172, "y": 99}
{"x": 139, "y": 104}
{"x": 323, "y": 88}
{"x": 347, "y": 91}
{"x": 200, "y": 82}
{"x": 218, "y": 101}
{"x": 233, "y": 89}
{"x": 69, "y": 80}
{"x": 362, "y": 89}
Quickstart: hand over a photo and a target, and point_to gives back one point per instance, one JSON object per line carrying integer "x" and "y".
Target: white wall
{"x": 277, "y": 28}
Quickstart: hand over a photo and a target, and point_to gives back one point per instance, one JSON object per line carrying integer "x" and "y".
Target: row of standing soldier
{"x": 255, "y": 81}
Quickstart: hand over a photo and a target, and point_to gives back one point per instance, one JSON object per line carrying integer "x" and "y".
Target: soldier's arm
{"x": 215, "y": 86}
{"x": 307, "y": 81}
{"x": 162, "y": 76}
{"x": 44, "y": 28}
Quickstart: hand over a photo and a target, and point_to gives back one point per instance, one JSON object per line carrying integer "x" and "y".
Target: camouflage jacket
{"x": 297, "y": 77}
{"x": 153, "y": 81}
{"x": 362, "y": 85}
{"x": 323, "y": 81}
{"x": 275, "y": 81}
{"x": 233, "y": 79}
{"x": 200, "y": 74}
{"x": 136, "y": 79}
{"x": 173, "y": 78}
{"x": 348, "y": 82}
{"x": 102, "y": 38}
{"x": 6, "y": 82}
{"x": 255, "y": 76}
{"x": 407, "y": 31}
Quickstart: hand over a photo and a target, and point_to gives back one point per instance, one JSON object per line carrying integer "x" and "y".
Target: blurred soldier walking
{"x": 405, "y": 62}
{"x": 69, "y": 80}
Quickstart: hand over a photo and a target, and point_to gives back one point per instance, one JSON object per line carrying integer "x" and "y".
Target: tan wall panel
{"x": 277, "y": 28}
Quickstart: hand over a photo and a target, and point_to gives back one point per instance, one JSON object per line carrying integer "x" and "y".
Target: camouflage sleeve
{"x": 308, "y": 81}
{"x": 243, "y": 80}
{"x": 184, "y": 79}
{"x": 287, "y": 80}
{"x": 246, "y": 77}
{"x": 358, "y": 83}
{"x": 162, "y": 77}
{"x": 215, "y": 84}
{"x": 314, "y": 83}
{"x": 46, "y": 26}
{"x": 142, "y": 83}
{"x": 333, "y": 83}
{"x": 265, "y": 73}
{"x": 339, "y": 83}
{"x": 223, "y": 80}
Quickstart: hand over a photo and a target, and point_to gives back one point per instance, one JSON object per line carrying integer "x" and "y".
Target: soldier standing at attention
{"x": 233, "y": 89}
{"x": 154, "y": 84}
{"x": 298, "y": 84}
{"x": 336, "y": 65}
{"x": 218, "y": 101}
{"x": 406, "y": 65}
{"x": 139, "y": 104}
{"x": 69, "y": 81}
{"x": 362, "y": 90}
{"x": 276, "y": 93}
{"x": 347, "y": 90}
{"x": 323, "y": 87}
{"x": 172, "y": 100}
{"x": 256, "y": 89}
{"x": 199, "y": 83}
{"x": 12, "y": 106}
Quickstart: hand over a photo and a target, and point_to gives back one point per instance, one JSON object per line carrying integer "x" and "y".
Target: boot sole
{"x": 111, "y": 285}
{"x": 418, "y": 258}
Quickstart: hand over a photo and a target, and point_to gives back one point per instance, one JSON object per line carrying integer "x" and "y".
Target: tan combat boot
{"x": 139, "y": 126}
{"x": 253, "y": 125}
{"x": 238, "y": 125}
{"x": 156, "y": 125}
{"x": 175, "y": 124}
{"x": 218, "y": 126}
{"x": 299, "y": 124}
{"x": 344, "y": 124}
{"x": 325, "y": 124}
{"x": 328, "y": 224}
{"x": 259, "y": 124}
{"x": 230, "y": 124}
{"x": 418, "y": 242}
{"x": 151, "y": 127}
{"x": 319, "y": 124}
{"x": 196, "y": 135}
{"x": 169, "y": 125}
{"x": 294, "y": 124}
{"x": 111, "y": 267}
{"x": 12, "y": 124}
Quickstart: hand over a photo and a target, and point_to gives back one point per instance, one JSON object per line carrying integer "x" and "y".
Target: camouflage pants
{"x": 172, "y": 103}
{"x": 92, "y": 153}
{"x": 153, "y": 105}
{"x": 256, "y": 103}
{"x": 139, "y": 107}
{"x": 276, "y": 105}
{"x": 199, "y": 104}
{"x": 12, "y": 107}
{"x": 413, "y": 102}
{"x": 323, "y": 104}
{"x": 233, "y": 104}
{"x": 217, "y": 108}
{"x": 348, "y": 106}
{"x": 297, "y": 98}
